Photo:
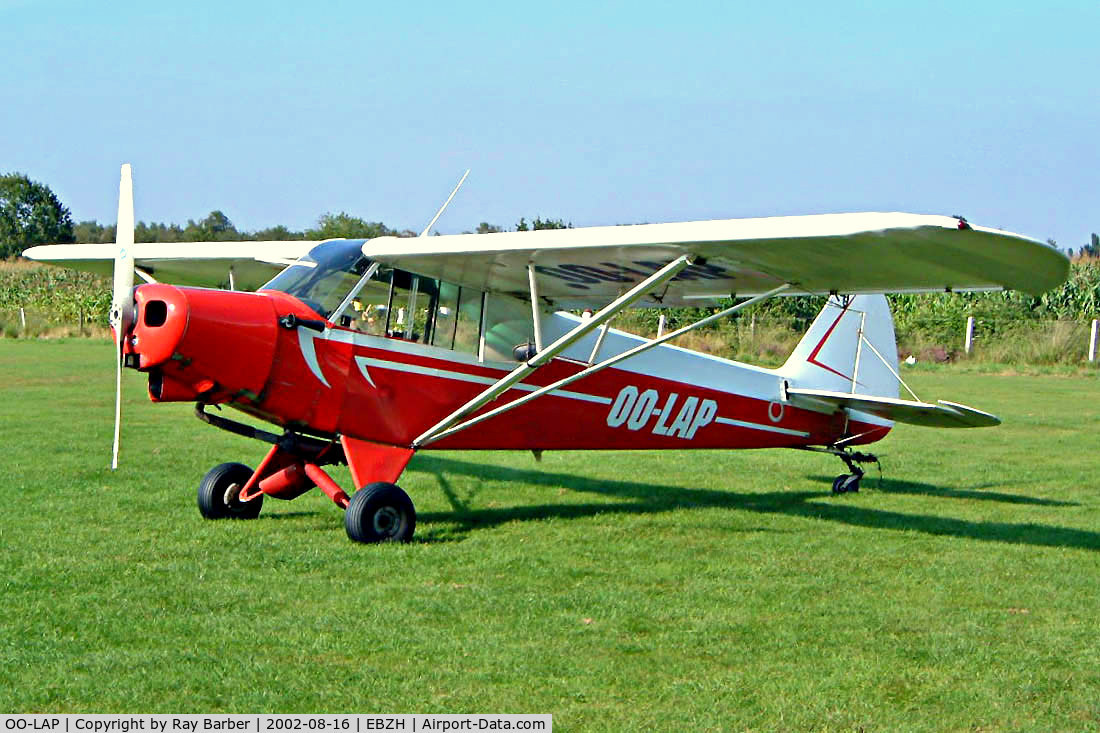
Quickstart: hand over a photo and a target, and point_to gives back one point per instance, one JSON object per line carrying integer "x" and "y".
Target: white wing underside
{"x": 206, "y": 264}
{"x": 846, "y": 253}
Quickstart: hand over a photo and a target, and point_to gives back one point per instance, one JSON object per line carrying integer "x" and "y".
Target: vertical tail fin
{"x": 850, "y": 347}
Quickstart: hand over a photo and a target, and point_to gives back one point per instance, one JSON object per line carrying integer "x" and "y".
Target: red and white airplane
{"x": 367, "y": 351}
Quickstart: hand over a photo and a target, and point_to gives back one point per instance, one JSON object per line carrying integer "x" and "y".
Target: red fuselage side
{"x": 229, "y": 347}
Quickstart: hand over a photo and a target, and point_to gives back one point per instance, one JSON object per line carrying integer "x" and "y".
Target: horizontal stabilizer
{"x": 940, "y": 415}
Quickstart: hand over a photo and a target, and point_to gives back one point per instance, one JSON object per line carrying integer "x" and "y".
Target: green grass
{"x": 618, "y": 591}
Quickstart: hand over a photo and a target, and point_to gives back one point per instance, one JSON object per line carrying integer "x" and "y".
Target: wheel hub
{"x": 387, "y": 521}
{"x": 232, "y": 492}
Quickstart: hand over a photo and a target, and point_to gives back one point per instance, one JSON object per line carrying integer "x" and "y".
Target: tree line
{"x": 30, "y": 214}
{"x": 217, "y": 227}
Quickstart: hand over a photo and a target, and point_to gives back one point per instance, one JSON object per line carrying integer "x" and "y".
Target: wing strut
{"x": 505, "y": 383}
{"x": 536, "y": 320}
{"x": 597, "y": 367}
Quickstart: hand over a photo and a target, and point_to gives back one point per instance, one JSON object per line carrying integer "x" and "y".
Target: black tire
{"x": 213, "y": 487}
{"x": 380, "y": 512}
{"x": 846, "y": 483}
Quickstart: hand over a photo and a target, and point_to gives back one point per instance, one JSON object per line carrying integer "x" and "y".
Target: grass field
{"x": 630, "y": 591}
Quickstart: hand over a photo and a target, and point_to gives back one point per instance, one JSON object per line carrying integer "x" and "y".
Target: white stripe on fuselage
{"x": 758, "y": 426}
{"x": 309, "y": 353}
{"x": 306, "y": 339}
{"x": 365, "y": 361}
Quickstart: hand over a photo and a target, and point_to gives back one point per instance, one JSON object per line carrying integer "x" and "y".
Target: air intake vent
{"x": 156, "y": 313}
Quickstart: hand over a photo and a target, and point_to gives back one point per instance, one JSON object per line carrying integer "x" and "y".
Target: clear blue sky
{"x": 598, "y": 113}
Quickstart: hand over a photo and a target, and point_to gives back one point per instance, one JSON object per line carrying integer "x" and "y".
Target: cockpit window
{"x": 401, "y": 305}
{"x": 322, "y": 278}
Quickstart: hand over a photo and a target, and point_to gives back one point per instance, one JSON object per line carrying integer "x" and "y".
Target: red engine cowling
{"x": 196, "y": 343}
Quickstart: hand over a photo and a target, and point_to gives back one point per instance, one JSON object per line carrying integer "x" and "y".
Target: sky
{"x": 595, "y": 113}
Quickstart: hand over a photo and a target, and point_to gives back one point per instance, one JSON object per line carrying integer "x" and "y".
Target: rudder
{"x": 850, "y": 347}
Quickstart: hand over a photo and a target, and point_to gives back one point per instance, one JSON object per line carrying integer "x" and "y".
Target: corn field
{"x": 51, "y": 298}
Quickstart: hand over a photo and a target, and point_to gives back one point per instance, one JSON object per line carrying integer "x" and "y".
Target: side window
{"x": 370, "y": 307}
{"x": 468, "y": 321}
{"x": 457, "y": 319}
{"x": 412, "y": 310}
{"x": 507, "y": 325}
{"x": 443, "y": 335}
{"x": 402, "y": 305}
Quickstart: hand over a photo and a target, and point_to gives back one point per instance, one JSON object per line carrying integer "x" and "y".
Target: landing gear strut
{"x": 378, "y": 512}
{"x": 849, "y": 482}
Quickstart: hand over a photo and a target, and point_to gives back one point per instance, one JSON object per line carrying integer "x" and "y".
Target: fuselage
{"x": 329, "y": 379}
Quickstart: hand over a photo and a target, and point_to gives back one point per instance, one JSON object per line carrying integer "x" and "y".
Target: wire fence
{"x": 49, "y": 323}
{"x": 769, "y": 339}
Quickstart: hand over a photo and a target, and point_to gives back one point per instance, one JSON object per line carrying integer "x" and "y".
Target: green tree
{"x": 157, "y": 232}
{"x": 344, "y": 225}
{"x": 277, "y": 233}
{"x": 30, "y": 214}
{"x": 487, "y": 228}
{"x": 1092, "y": 249}
{"x": 216, "y": 227}
{"x": 92, "y": 232}
{"x": 540, "y": 223}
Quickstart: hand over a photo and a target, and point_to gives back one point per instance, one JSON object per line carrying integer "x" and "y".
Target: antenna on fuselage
{"x": 445, "y": 203}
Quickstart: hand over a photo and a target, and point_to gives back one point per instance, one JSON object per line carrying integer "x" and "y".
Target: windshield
{"x": 356, "y": 293}
{"x": 322, "y": 278}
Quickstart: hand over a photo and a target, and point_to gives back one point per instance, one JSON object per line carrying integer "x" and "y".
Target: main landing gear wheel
{"x": 846, "y": 483}
{"x": 219, "y": 489}
{"x": 380, "y": 512}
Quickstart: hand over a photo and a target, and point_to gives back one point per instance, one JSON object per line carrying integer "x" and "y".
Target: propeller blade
{"x": 122, "y": 301}
{"x": 118, "y": 402}
{"x": 122, "y": 304}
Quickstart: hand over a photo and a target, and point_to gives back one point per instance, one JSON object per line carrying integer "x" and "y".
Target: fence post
{"x": 1092, "y": 339}
{"x": 661, "y": 326}
{"x": 969, "y": 333}
{"x": 23, "y": 319}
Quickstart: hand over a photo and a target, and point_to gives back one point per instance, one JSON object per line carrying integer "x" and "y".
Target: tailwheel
{"x": 847, "y": 482}
{"x": 219, "y": 493}
{"x": 380, "y": 512}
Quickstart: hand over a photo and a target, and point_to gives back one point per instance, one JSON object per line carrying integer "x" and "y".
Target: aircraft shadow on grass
{"x": 651, "y": 498}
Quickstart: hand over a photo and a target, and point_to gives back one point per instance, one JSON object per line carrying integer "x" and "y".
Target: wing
{"x": 206, "y": 264}
{"x": 848, "y": 253}
{"x": 940, "y": 415}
